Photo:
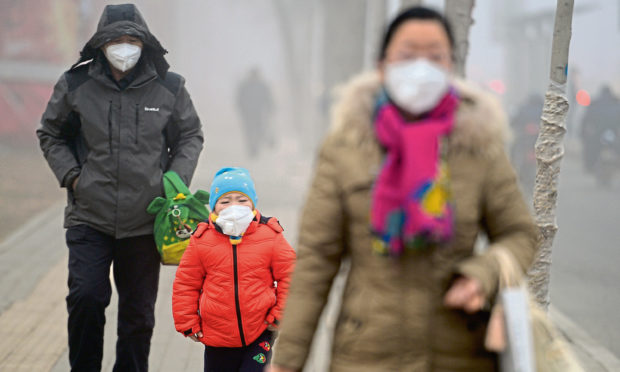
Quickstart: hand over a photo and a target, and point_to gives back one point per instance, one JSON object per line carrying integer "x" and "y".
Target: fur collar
{"x": 481, "y": 126}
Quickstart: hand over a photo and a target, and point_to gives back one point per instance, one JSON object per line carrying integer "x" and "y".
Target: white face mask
{"x": 416, "y": 86}
{"x": 235, "y": 219}
{"x": 123, "y": 56}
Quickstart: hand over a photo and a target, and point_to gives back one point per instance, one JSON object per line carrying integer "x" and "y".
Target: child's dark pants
{"x": 252, "y": 358}
{"x": 136, "y": 275}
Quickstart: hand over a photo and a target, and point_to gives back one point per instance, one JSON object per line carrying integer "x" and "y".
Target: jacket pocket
{"x": 80, "y": 179}
{"x": 352, "y": 320}
{"x": 202, "y": 306}
{"x": 83, "y": 181}
{"x": 70, "y": 198}
{"x": 347, "y": 334}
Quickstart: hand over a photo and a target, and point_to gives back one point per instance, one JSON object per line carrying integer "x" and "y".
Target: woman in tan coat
{"x": 412, "y": 171}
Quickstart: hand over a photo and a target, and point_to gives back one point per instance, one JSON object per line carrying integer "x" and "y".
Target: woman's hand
{"x": 196, "y": 336}
{"x": 466, "y": 294}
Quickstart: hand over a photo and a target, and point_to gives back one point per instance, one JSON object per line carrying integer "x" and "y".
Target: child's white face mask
{"x": 235, "y": 219}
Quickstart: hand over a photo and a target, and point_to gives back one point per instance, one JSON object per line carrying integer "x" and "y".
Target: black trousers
{"x": 252, "y": 358}
{"x": 136, "y": 276}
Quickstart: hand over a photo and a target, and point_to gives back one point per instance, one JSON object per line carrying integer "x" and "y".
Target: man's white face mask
{"x": 416, "y": 86}
{"x": 123, "y": 56}
{"x": 235, "y": 219}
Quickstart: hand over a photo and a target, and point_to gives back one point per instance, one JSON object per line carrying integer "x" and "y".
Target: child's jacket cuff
{"x": 191, "y": 331}
{"x": 271, "y": 319}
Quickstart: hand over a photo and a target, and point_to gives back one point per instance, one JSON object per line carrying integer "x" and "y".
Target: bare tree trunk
{"x": 409, "y": 3}
{"x": 459, "y": 13}
{"x": 374, "y": 23}
{"x": 550, "y": 150}
{"x": 296, "y": 28}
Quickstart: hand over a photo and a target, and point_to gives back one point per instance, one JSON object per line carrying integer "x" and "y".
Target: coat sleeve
{"x": 54, "y": 135}
{"x": 186, "y": 289}
{"x": 321, "y": 247}
{"x": 186, "y": 146}
{"x": 282, "y": 266}
{"x": 508, "y": 223}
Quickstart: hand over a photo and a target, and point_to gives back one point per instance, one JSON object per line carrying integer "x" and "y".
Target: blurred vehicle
{"x": 599, "y": 132}
{"x": 608, "y": 161}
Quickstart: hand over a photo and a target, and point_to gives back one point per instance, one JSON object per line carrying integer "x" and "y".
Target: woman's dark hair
{"x": 411, "y": 14}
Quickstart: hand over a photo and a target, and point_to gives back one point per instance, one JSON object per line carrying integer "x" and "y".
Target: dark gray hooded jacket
{"x": 119, "y": 141}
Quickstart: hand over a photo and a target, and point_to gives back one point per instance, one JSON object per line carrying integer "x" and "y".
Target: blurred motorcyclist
{"x": 602, "y": 115}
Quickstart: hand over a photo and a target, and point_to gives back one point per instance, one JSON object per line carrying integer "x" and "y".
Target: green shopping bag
{"x": 176, "y": 217}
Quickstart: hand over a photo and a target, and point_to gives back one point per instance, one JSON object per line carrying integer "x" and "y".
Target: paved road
{"x": 585, "y": 275}
{"x": 33, "y": 268}
{"x": 33, "y": 286}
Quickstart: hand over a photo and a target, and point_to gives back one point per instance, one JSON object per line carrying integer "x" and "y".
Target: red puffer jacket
{"x": 230, "y": 285}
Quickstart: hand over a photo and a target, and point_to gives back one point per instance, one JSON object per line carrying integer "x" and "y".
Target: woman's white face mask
{"x": 417, "y": 85}
{"x": 123, "y": 56}
{"x": 235, "y": 219}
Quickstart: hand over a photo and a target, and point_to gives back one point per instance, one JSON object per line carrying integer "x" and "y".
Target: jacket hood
{"x": 480, "y": 123}
{"x": 125, "y": 19}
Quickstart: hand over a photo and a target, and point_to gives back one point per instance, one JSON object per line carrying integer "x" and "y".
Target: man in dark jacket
{"x": 601, "y": 115}
{"x": 255, "y": 104}
{"x": 117, "y": 120}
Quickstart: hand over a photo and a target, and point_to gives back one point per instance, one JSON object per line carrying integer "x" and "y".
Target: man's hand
{"x": 196, "y": 336}
{"x": 466, "y": 294}
{"x": 75, "y": 181}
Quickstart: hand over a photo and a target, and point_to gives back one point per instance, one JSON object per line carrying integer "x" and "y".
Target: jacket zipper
{"x": 118, "y": 166}
{"x": 137, "y": 123}
{"x": 110, "y": 127}
{"x": 237, "y": 306}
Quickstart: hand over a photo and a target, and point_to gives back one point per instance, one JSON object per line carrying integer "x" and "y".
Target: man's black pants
{"x": 136, "y": 276}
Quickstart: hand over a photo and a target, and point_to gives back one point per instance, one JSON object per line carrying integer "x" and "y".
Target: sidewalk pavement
{"x": 33, "y": 312}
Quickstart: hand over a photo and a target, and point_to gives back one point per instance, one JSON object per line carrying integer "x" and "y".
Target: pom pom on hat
{"x": 232, "y": 179}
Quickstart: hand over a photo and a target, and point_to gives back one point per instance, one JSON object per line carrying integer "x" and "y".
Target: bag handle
{"x": 174, "y": 185}
{"x": 510, "y": 274}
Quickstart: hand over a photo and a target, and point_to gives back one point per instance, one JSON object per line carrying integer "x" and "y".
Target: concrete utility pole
{"x": 550, "y": 151}
{"x": 459, "y": 13}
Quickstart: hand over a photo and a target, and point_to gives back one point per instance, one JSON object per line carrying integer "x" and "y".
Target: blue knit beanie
{"x": 232, "y": 179}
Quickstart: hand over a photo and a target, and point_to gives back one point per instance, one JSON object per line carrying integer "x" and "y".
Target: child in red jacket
{"x": 231, "y": 284}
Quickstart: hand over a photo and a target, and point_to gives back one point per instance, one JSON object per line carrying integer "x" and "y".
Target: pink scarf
{"x": 411, "y": 197}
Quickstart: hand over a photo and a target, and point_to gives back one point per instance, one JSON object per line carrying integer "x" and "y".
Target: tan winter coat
{"x": 392, "y": 317}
